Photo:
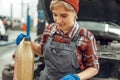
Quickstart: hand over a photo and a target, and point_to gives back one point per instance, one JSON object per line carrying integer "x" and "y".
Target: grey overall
{"x": 60, "y": 59}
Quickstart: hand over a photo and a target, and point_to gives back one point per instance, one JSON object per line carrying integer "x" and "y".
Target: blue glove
{"x": 70, "y": 77}
{"x": 20, "y": 37}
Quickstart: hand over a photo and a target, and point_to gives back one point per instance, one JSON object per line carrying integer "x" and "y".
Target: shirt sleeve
{"x": 90, "y": 56}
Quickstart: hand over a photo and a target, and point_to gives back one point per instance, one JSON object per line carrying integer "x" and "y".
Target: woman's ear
{"x": 76, "y": 17}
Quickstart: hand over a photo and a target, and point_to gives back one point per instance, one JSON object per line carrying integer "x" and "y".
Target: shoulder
{"x": 86, "y": 33}
{"x": 46, "y": 33}
{"x": 48, "y": 29}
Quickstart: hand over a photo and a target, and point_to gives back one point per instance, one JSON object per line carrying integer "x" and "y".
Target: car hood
{"x": 114, "y": 30}
{"x": 92, "y": 10}
{"x": 103, "y": 31}
{"x": 105, "y": 11}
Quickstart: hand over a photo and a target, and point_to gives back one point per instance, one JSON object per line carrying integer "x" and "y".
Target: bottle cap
{"x": 27, "y": 38}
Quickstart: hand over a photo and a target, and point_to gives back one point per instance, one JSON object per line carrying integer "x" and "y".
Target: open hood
{"x": 92, "y": 10}
{"x": 98, "y": 13}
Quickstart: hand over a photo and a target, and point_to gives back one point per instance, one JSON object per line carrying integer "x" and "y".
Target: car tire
{"x": 7, "y": 73}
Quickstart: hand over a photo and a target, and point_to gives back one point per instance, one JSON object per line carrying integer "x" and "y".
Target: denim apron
{"x": 60, "y": 59}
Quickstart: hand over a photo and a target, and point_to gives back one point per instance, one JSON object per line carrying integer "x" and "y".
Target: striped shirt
{"x": 87, "y": 50}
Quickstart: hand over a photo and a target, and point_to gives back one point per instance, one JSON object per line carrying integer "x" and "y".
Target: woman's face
{"x": 63, "y": 18}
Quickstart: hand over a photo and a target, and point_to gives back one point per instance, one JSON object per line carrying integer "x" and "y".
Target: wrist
{"x": 76, "y": 76}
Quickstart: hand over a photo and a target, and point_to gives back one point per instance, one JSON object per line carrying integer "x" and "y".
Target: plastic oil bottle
{"x": 24, "y": 61}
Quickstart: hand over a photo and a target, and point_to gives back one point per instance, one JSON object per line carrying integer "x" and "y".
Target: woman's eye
{"x": 64, "y": 16}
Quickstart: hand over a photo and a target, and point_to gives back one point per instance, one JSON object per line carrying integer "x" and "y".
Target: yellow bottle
{"x": 24, "y": 61}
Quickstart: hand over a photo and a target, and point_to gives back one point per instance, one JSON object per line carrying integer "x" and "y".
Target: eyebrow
{"x": 60, "y": 14}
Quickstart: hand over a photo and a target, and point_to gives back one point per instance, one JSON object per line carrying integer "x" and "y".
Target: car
{"x": 2, "y": 28}
{"x": 9, "y": 22}
{"x": 3, "y": 35}
{"x": 16, "y": 24}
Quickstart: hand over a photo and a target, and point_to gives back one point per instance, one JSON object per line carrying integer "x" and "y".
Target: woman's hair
{"x": 59, "y": 3}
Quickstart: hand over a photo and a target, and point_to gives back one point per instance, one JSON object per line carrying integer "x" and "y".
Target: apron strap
{"x": 75, "y": 38}
{"x": 53, "y": 30}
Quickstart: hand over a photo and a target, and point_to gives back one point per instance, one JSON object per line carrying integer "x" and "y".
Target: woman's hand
{"x": 70, "y": 77}
{"x": 20, "y": 37}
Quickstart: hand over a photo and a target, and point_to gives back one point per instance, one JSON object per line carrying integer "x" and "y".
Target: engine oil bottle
{"x": 24, "y": 61}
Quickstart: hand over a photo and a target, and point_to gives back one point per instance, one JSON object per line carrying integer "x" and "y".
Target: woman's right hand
{"x": 19, "y": 38}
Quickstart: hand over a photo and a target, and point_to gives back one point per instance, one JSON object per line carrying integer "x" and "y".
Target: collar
{"x": 70, "y": 33}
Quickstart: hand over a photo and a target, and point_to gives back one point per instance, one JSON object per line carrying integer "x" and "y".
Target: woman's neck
{"x": 67, "y": 30}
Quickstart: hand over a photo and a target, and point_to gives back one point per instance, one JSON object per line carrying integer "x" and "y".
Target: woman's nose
{"x": 58, "y": 20}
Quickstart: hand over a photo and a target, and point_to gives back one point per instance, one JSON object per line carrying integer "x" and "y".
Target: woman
{"x": 69, "y": 50}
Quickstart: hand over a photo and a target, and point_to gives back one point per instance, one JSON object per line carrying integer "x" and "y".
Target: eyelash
{"x": 61, "y": 16}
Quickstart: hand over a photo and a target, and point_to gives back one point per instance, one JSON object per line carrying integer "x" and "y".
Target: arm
{"x": 90, "y": 60}
{"x": 87, "y": 73}
{"x": 36, "y": 48}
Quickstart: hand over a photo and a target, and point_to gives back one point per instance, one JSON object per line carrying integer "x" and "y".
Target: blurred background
{"x": 15, "y": 12}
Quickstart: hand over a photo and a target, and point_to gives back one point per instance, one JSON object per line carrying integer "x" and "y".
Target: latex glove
{"x": 20, "y": 37}
{"x": 71, "y": 77}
